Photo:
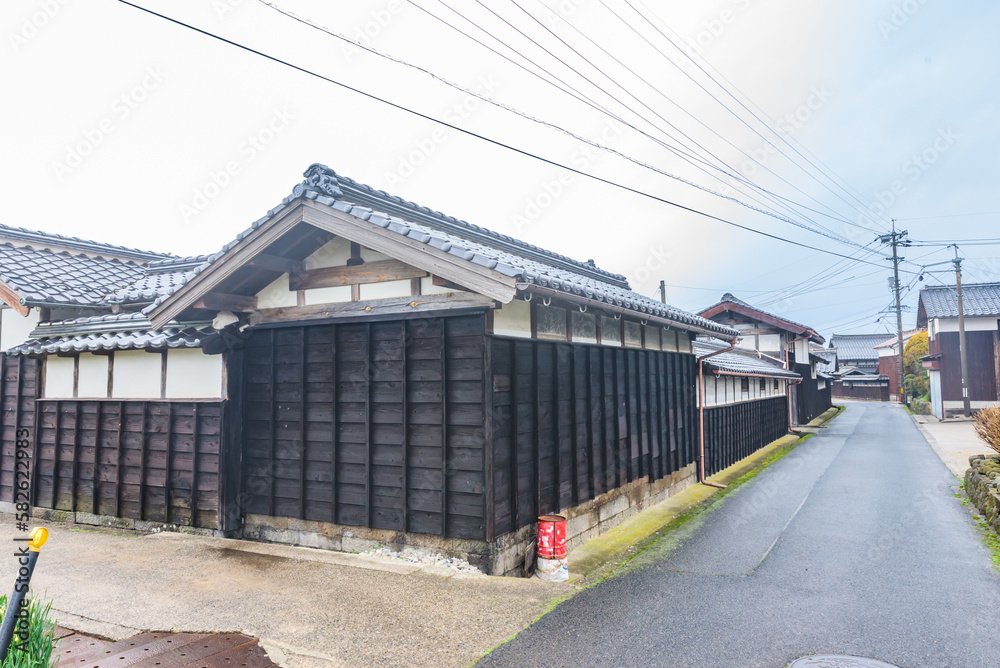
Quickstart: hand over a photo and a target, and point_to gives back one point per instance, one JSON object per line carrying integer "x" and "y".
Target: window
{"x": 745, "y": 386}
{"x": 551, "y": 322}
{"x": 763, "y": 386}
{"x": 611, "y": 331}
{"x": 633, "y": 334}
{"x": 777, "y": 384}
{"x": 584, "y": 327}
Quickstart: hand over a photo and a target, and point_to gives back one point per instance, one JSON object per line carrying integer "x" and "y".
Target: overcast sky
{"x": 122, "y": 127}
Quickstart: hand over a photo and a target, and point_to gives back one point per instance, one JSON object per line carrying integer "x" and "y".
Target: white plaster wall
{"x": 427, "y": 287}
{"x": 385, "y": 290}
{"x": 277, "y": 294}
{"x": 611, "y": 332}
{"x": 747, "y": 341}
{"x": 14, "y": 328}
{"x": 334, "y": 253}
{"x": 136, "y": 375}
{"x": 971, "y": 324}
{"x": 193, "y": 375}
{"x": 652, "y": 337}
{"x": 802, "y": 352}
{"x": 934, "y": 376}
{"x": 683, "y": 342}
{"x": 93, "y": 379}
{"x": 59, "y": 378}
{"x": 513, "y": 319}
{"x": 339, "y": 293}
{"x": 670, "y": 340}
{"x": 769, "y": 342}
{"x": 710, "y": 383}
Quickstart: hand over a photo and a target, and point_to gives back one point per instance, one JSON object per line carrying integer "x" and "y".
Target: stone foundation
{"x": 511, "y": 554}
{"x": 981, "y": 482}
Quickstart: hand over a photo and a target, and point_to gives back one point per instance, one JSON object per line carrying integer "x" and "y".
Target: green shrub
{"x": 35, "y": 651}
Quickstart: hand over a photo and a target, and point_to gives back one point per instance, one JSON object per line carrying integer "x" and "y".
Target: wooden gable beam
{"x": 370, "y": 272}
{"x": 224, "y": 267}
{"x": 781, "y": 323}
{"x": 476, "y": 278}
{"x": 12, "y": 299}
{"x": 216, "y": 301}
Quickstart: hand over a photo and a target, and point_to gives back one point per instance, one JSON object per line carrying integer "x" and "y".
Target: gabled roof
{"x": 501, "y": 265}
{"x": 46, "y": 278}
{"x": 891, "y": 343}
{"x": 857, "y": 346}
{"x": 979, "y": 300}
{"x": 19, "y": 236}
{"x": 740, "y": 361}
{"x": 729, "y": 303}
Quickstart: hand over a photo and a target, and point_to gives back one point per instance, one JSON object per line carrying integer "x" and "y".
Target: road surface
{"x": 853, "y": 544}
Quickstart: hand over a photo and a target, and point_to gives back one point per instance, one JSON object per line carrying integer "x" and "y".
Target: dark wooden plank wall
{"x": 735, "y": 431}
{"x": 982, "y": 365}
{"x": 145, "y": 460}
{"x": 573, "y": 421}
{"x": 847, "y": 389}
{"x": 811, "y": 401}
{"x": 18, "y": 391}
{"x": 375, "y": 424}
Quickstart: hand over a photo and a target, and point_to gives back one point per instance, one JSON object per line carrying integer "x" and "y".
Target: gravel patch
{"x": 427, "y": 558}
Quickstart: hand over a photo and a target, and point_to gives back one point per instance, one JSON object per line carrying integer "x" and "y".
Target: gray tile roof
{"x": 978, "y": 300}
{"x": 729, "y": 298}
{"x": 22, "y": 236}
{"x": 740, "y": 361}
{"x": 44, "y": 278}
{"x": 857, "y": 346}
{"x": 524, "y": 262}
{"x": 125, "y": 331}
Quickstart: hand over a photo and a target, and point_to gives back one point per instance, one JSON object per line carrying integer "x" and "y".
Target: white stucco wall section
{"x": 277, "y": 294}
{"x": 951, "y": 324}
{"x": 59, "y": 377}
{"x": 93, "y": 379}
{"x": 14, "y": 328}
{"x": 513, "y": 319}
{"x": 192, "y": 375}
{"x": 137, "y": 375}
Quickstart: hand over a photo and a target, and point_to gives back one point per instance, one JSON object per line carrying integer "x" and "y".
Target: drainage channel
{"x": 838, "y": 661}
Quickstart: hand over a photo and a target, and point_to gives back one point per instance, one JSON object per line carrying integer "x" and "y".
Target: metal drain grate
{"x": 838, "y": 661}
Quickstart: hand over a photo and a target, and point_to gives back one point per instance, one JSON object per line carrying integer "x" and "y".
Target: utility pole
{"x": 966, "y": 404}
{"x": 663, "y": 291}
{"x": 896, "y": 239}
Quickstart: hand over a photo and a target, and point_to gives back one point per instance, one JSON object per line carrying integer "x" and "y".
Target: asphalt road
{"x": 853, "y": 544}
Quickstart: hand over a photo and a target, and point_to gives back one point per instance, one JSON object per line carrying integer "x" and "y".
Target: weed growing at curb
{"x": 36, "y": 649}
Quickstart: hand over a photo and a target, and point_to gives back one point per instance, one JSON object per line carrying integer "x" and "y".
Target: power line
{"x": 470, "y": 133}
{"x": 829, "y": 234}
{"x": 953, "y": 215}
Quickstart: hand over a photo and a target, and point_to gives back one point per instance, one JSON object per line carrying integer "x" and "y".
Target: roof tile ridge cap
{"x": 478, "y": 228}
{"x": 91, "y": 242}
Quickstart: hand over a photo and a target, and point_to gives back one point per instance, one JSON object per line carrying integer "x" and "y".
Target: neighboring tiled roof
{"x": 36, "y": 238}
{"x": 150, "y": 287}
{"x": 126, "y": 331}
{"x": 729, "y": 298}
{"x": 978, "y": 300}
{"x": 857, "y": 346}
{"x": 828, "y": 357}
{"x": 42, "y": 277}
{"x": 524, "y": 262}
{"x": 740, "y": 361}
{"x": 891, "y": 343}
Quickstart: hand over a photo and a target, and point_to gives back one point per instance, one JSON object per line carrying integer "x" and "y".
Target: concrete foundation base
{"x": 511, "y": 554}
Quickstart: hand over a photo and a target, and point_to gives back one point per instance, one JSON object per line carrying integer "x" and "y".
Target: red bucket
{"x": 551, "y": 537}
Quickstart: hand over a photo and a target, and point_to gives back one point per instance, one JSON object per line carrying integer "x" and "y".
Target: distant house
{"x": 888, "y": 360}
{"x": 850, "y": 382}
{"x": 858, "y": 350}
{"x": 938, "y": 312}
{"x": 782, "y": 340}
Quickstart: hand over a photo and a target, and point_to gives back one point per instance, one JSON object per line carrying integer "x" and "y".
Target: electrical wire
{"x": 470, "y": 133}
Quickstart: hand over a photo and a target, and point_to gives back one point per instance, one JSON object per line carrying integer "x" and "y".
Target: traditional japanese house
{"x": 783, "y": 340}
{"x": 744, "y": 398}
{"x": 355, "y": 368}
{"x": 858, "y": 350}
{"x": 888, "y": 361}
{"x": 853, "y": 383}
{"x": 938, "y": 312}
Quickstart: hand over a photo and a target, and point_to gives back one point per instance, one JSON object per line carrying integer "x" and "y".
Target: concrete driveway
{"x": 954, "y": 441}
{"x": 308, "y": 607}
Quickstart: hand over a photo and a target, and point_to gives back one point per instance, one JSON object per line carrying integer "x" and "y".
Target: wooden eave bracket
{"x": 10, "y": 297}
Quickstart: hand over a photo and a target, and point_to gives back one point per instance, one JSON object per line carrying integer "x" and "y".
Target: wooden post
{"x": 55, "y": 455}
{"x": 369, "y": 374}
{"x": 536, "y": 444}
{"x": 444, "y": 428}
{"x": 274, "y": 420}
{"x": 515, "y": 511}
{"x": 574, "y": 427}
{"x": 170, "y": 438}
{"x": 556, "y": 436}
{"x": 404, "y": 422}
{"x": 590, "y": 413}
{"x": 302, "y": 423}
{"x": 333, "y": 427}
{"x": 194, "y": 464}
{"x": 489, "y": 503}
{"x": 76, "y": 454}
{"x": 142, "y": 461}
